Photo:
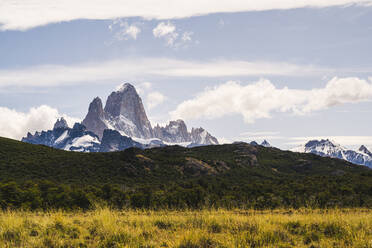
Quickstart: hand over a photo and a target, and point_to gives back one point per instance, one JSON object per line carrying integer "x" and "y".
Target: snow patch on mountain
{"x": 61, "y": 138}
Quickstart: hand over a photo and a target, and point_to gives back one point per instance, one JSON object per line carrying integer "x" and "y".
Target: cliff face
{"x": 95, "y": 119}
{"x": 123, "y": 112}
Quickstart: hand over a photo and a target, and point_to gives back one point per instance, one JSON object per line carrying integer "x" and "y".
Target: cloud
{"x": 167, "y": 31}
{"x": 15, "y": 125}
{"x": 163, "y": 29}
{"x": 155, "y": 98}
{"x": 186, "y": 36}
{"x": 123, "y": 31}
{"x": 22, "y": 15}
{"x": 135, "y": 68}
{"x": 130, "y": 31}
{"x": 261, "y": 99}
{"x": 260, "y": 136}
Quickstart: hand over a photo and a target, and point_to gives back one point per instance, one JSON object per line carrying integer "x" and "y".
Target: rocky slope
{"x": 327, "y": 148}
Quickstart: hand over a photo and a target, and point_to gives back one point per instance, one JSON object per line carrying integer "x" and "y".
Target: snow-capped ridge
{"x": 122, "y": 87}
{"x": 329, "y": 148}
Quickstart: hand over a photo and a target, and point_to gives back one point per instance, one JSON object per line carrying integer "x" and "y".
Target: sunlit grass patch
{"x": 204, "y": 228}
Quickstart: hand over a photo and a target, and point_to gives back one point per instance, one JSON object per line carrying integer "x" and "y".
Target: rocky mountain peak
{"x": 95, "y": 119}
{"x": 174, "y": 132}
{"x": 95, "y": 107}
{"x": 265, "y": 143}
{"x": 365, "y": 150}
{"x": 322, "y": 142}
{"x": 201, "y": 136}
{"x": 60, "y": 123}
{"x": 124, "y": 87}
{"x": 125, "y": 110}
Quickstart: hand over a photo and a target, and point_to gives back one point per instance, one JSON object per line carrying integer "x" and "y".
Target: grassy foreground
{"x": 216, "y": 228}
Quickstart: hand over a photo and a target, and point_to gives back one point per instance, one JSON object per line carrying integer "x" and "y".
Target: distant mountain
{"x": 65, "y": 138}
{"x": 80, "y": 140}
{"x": 176, "y": 132}
{"x": 327, "y": 148}
{"x": 264, "y": 143}
{"x": 123, "y": 113}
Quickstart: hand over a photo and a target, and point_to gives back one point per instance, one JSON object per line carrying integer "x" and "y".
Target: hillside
{"x": 235, "y": 175}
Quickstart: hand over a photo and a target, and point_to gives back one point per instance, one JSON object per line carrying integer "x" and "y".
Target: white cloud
{"x": 260, "y": 136}
{"x": 163, "y": 29}
{"x": 186, "y": 36}
{"x": 131, "y": 31}
{"x": 22, "y": 15}
{"x": 137, "y": 68}
{"x": 169, "y": 33}
{"x": 123, "y": 31}
{"x": 15, "y": 125}
{"x": 261, "y": 99}
{"x": 146, "y": 85}
{"x": 261, "y": 133}
{"x": 153, "y": 99}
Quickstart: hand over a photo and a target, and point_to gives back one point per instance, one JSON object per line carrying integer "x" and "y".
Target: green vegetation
{"x": 187, "y": 229}
{"x": 226, "y": 176}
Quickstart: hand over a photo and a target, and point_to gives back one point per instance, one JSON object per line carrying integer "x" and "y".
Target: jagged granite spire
{"x": 174, "y": 132}
{"x": 60, "y": 123}
{"x": 124, "y": 106}
{"x": 124, "y": 112}
{"x": 95, "y": 119}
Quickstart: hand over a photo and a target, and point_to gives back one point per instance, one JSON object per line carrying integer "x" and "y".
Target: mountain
{"x": 265, "y": 143}
{"x": 65, "y": 138}
{"x": 327, "y": 148}
{"x": 121, "y": 124}
{"x": 123, "y": 112}
{"x": 95, "y": 120}
{"x": 112, "y": 140}
{"x": 201, "y": 136}
{"x": 81, "y": 140}
{"x": 176, "y": 132}
{"x": 219, "y": 176}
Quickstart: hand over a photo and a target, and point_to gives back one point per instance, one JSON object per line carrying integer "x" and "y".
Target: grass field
{"x": 216, "y": 228}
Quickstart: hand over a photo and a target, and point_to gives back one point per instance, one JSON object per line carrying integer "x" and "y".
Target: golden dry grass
{"x": 215, "y": 228}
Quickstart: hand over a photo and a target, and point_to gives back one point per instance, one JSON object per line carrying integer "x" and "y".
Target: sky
{"x": 286, "y": 71}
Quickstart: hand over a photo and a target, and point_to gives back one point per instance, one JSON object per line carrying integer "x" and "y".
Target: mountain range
{"x": 121, "y": 124}
{"x": 328, "y": 148}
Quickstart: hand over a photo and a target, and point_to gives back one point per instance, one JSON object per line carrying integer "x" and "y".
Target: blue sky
{"x": 282, "y": 71}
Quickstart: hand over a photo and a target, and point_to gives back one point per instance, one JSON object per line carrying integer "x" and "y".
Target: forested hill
{"x": 234, "y": 175}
